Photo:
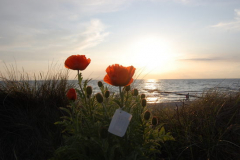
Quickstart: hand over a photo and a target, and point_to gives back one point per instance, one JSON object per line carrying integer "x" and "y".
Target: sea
{"x": 169, "y": 90}
{"x": 172, "y": 90}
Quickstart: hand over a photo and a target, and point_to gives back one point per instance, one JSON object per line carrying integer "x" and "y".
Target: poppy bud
{"x": 106, "y": 94}
{"x": 154, "y": 121}
{"x": 135, "y": 92}
{"x": 147, "y": 115}
{"x": 103, "y": 132}
{"x": 127, "y": 88}
{"x": 143, "y": 96}
{"x": 89, "y": 90}
{"x": 144, "y": 102}
{"x": 71, "y": 94}
{"x": 100, "y": 84}
{"x": 99, "y": 97}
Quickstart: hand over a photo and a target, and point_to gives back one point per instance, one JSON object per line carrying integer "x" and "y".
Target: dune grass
{"x": 208, "y": 128}
{"x": 29, "y": 106}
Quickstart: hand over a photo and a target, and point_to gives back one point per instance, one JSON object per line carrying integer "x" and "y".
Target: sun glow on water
{"x": 150, "y": 84}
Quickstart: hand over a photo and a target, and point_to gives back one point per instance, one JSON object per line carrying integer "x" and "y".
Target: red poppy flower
{"x": 77, "y": 62}
{"x": 71, "y": 94}
{"x": 117, "y": 75}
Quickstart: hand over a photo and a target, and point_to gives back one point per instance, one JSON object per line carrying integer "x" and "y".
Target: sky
{"x": 162, "y": 39}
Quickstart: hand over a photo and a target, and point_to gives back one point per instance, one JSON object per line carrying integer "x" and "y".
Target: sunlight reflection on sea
{"x": 167, "y": 90}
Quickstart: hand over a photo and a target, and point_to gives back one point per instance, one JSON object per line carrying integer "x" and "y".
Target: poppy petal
{"x": 107, "y": 79}
{"x": 130, "y": 82}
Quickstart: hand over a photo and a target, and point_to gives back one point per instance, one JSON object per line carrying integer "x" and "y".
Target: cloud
{"x": 97, "y": 6}
{"x": 199, "y": 2}
{"x": 94, "y": 34}
{"x": 42, "y": 29}
{"x": 237, "y": 12}
{"x": 207, "y": 2}
{"x": 44, "y": 44}
{"x": 35, "y": 12}
{"x": 200, "y": 59}
{"x": 231, "y": 25}
{"x": 212, "y": 59}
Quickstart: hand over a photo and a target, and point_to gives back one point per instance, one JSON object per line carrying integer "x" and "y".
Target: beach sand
{"x": 170, "y": 105}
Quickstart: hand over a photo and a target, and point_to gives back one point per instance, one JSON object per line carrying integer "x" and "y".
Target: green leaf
{"x": 162, "y": 131}
{"x": 66, "y": 110}
{"x": 66, "y": 118}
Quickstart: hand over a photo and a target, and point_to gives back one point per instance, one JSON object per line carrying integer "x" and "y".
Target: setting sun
{"x": 152, "y": 53}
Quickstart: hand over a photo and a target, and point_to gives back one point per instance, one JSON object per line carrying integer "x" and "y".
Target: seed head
{"x": 154, "y": 121}
{"x": 147, "y": 115}
{"x": 99, "y": 97}
{"x": 89, "y": 90}
{"x": 107, "y": 94}
{"x": 100, "y": 84}
{"x": 127, "y": 88}
{"x": 143, "y": 96}
{"x": 135, "y": 92}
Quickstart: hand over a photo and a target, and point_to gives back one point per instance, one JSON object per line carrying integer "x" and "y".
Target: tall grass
{"x": 208, "y": 128}
{"x": 29, "y": 106}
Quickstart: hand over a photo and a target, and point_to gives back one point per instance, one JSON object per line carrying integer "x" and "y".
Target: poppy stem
{"x": 126, "y": 98}
{"x": 80, "y": 85}
{"x": 121, "y": 95}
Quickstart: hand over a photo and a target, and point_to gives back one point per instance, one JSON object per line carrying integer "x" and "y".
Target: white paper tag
{"x": 119, "y": 123}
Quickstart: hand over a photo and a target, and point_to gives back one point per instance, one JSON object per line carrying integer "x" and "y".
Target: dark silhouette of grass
{"x": 29, "y": 106}
{"x": 208, "y": 128}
